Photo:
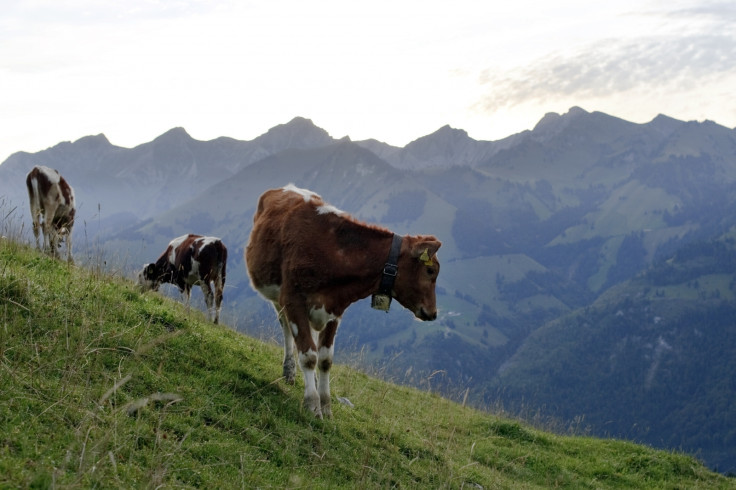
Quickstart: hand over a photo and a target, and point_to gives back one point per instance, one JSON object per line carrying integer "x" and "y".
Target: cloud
{"x": 77, "y": 12}
{"x": 719, "y": 13}
{"x": 610, "y": 67}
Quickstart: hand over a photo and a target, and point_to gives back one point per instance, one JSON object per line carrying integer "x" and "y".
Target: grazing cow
{"x": 187, "y": 261}
{"x": 51, "y": 196}
{"x": 312, "y": 261}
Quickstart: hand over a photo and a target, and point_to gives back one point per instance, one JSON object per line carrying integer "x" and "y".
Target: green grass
{"x": 101, "y": 386}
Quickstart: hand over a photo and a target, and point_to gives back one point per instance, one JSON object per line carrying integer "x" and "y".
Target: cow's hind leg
{"x": 209, "y": 299}
{"x": 50, "y": 233}
{"x": 36, "y": 227}
{"x": 307, "y": 350}
{"x": 219, "y": 286}
{"x": 69, "y": 257}
{"x": 289, "y": 365}
{"x": 324, "y": 362}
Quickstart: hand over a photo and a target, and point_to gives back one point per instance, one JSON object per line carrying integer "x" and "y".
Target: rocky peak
{"x": 444, "y": 148}
{"x": 446, "y": 139}
{"x": 665, "y": 124}
{"x": 173, "y": 136}
{"x": 297, "y": 133}
{"x": 95, "y": 142}
{"x": 553, "y": 124}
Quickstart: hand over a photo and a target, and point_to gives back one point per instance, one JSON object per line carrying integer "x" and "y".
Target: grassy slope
{"x": 102, "y": 386}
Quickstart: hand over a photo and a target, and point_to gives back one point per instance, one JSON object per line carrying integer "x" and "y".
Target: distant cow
{"x": 312, "y": 261}
{"x": 187, "y": 261}
{"x": 52, "y": 199}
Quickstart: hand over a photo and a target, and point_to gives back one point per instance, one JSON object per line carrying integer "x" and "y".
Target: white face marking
{"x": 305, "y": 193}
{"x": 294, "y": 330}
{"x": 146, "y": 284}
{"x": 142, "y": 280}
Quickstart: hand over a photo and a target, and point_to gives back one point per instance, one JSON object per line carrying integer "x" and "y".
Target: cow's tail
{"x": 33, "y": 194}
{"x": 219, "y": 278}
{"x": 34, "y": 197}
{"x": 222, "y": 266}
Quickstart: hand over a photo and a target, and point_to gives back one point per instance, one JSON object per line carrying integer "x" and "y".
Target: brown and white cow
{"x": 52, "y": 199}
{"x": 312, "y": 261}
{"x": 187, "y": 261}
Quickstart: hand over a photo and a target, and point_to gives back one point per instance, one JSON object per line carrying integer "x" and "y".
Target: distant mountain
{"x": 446, "y": 147}
{"x": 544, "y": 232}
{"x": 156, "y": 176}
{"x": 299, "y": 133}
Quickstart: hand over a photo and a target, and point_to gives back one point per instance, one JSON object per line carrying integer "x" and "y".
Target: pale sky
{"x": 390, "y": 70}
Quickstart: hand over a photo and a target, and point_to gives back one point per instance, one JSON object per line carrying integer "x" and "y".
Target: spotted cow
{"x": 52, "y": 209}
{"x": 187, "y": 261}
{"x": 312, "y": 261}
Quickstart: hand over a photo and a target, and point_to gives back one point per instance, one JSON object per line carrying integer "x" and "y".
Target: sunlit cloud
{"x": 609, "y": 68}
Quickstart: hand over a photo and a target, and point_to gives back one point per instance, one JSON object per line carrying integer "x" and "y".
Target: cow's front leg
{"x": 307, "y": 351}
{"x": 186, "y": 292}
{"x": 324, "y": 361}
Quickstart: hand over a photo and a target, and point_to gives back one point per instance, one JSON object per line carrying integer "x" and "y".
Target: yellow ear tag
{"x": 425, "y": 257}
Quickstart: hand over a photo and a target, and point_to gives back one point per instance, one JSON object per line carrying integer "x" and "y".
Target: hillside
{"x": 536, "y": 228}
{"x": 101, "y": 386}
{"x": 655, "y": 347}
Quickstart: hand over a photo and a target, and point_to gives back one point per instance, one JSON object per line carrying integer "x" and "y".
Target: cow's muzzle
{"x": 426, "y": 316}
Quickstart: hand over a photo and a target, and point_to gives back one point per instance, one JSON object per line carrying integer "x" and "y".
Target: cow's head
{"x": 57, "y": 233}
{"x": 148, "y": 278}
{"x": 418, "y": 269}
{"x": 58, "y": 236}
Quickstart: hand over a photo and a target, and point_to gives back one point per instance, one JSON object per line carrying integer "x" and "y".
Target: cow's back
{"x": 277, "y": 214}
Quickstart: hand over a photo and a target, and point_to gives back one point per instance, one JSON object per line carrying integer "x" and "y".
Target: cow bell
{"x": 381, "y": 302}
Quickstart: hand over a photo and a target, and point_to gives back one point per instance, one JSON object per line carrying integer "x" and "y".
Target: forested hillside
{"x": 656, "y": 348}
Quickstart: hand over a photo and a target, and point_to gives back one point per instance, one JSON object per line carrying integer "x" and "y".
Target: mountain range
{"x": 586, "y": 263}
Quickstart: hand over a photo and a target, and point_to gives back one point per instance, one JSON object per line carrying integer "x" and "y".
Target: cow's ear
{"x": 425, "y": 247}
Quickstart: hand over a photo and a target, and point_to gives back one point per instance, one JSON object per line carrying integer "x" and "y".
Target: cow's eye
{"x": 430, "y": 271}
